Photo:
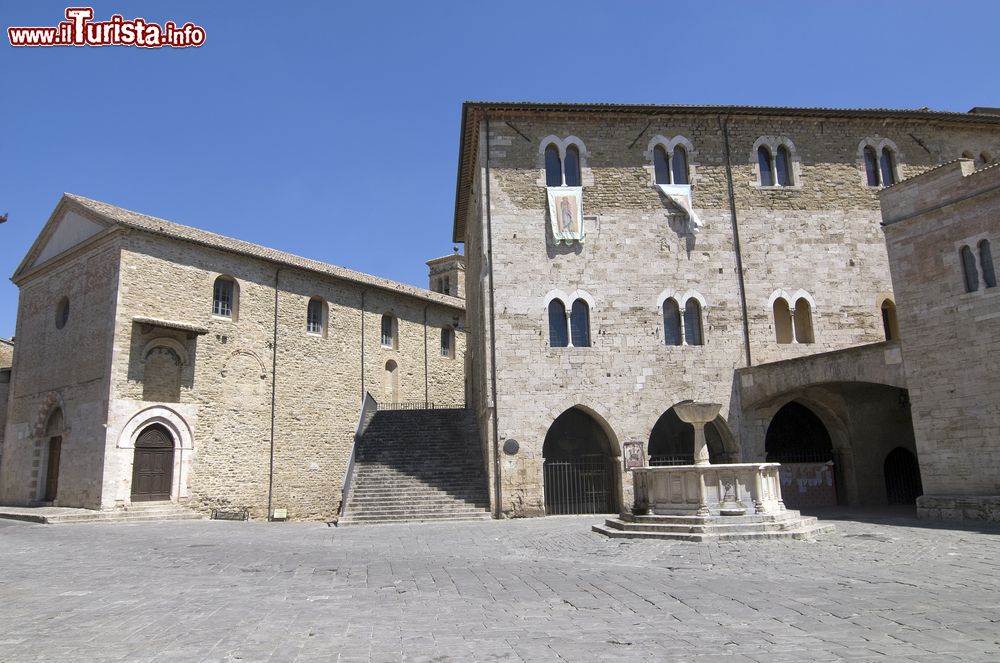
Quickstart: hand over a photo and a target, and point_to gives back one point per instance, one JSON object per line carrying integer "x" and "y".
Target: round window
{"x": 62, "y": 313}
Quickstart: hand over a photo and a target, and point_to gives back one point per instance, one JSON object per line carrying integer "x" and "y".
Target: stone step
{"x": 715, "y": 529}
{"x": 379, "y": 487}
{"x": 798, "y": 533}
{"x": 126, "y": 516}
{"x": 417, "y": 472}
{"x": 788, "y": 514}
{"x": 416, "y": 496}
{"x": 383, "y": 520}
{"x": 417, "y": 512}
{"x": 416, "y": 500}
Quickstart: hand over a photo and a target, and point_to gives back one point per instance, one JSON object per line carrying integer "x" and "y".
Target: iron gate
{"x": 580, "y": 485}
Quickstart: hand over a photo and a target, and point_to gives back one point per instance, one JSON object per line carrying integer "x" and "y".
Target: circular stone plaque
{"x": 510, "y": 447}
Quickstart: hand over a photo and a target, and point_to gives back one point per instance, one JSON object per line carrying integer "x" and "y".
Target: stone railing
{"x": 369, "y": 406}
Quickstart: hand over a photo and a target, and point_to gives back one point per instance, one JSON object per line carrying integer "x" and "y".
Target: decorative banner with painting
{"x": 680, "y": 196}
{"x": 566, "y": 213}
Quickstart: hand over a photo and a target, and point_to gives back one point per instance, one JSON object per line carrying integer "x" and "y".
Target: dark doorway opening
{"x": 902, "y": 477}
{"x": 153, "y": 467}
{"x": 671, "y": 442}
{"x": 52, "y": 469}
{"x": 580, "y": 468}
{"x": 796, "y": 435}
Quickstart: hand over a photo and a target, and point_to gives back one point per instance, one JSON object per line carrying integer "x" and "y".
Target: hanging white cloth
{"x": 566, "y": 213}
{"x": 680, "y": 196}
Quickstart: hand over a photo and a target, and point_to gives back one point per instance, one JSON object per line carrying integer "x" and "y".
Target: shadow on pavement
{"x": 897, "y": 516}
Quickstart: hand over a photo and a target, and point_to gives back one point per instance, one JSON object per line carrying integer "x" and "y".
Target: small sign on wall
{"x": 635, "y": 455}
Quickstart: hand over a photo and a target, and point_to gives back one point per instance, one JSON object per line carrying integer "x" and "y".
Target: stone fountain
{"x": 704, "y": 501}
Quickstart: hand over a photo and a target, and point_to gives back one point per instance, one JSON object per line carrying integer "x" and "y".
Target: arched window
{"x": 968, "y": 155}
{"x": 871, "y": 166}
{"x": 671, "y": 322}
{"x": 553, "y": 166}
{"x": 692, "y": 322}
{"x": 316, "y": 316}
{"x": 766, "y": 166}
{"x": 889, "y": 324}
{"x": 679, "y": 162}
{"x": 888, "y": 167}
{"x": 783, "y": 166}
{"x": 986, "y": 158}
{"x": 225, "y": 298}
{"x": 661, "y": 166}
{"x": 62, "y": 312}
{"x": 969, "y": 269}
{"x": 388, "y": 331}
{"x": 803, "y": 321}
{"x": 986, "y": 264}
{"x": 782, "y": 321}
{"x": 558, "y": 336}
{"x": 572, "y": 166}
{"x": 448, "y": 343}
{"x": 579, "y": 324}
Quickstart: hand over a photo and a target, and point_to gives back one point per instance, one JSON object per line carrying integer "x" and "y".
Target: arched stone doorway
{"x": 797, "y": 435}
{"x": 53, "y": 455}
{"x": 153, "y": 465}
{"x": 799, "y": 440}
{"x": 671, "y": 442}
{"x": 580, "y": 467}
{"x": 902, "y": 477}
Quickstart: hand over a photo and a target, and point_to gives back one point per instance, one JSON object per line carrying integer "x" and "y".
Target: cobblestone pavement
{"x": 532, "y": 590}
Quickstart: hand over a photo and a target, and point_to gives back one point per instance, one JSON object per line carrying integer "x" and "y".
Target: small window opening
{"x": 766, "y": 166}
{"x": 671, "y": 323}
{"x": 558, "y": 336}
{"x": 62, "y": 313}
{"x": 986, "y": 264}
{"x": 969, "y": 269}
{"x": 692, "y": 322}
{"x": 388, "y": 331}
{"x": 579, "y": 322}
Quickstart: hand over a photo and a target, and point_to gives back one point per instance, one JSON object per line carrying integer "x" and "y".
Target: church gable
{"x": 66, "y": 229}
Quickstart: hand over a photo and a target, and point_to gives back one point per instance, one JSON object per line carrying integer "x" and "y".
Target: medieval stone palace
{"x": 620, "y": 260}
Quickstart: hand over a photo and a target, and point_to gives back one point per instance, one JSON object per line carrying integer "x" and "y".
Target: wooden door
{"x": 153, "y": 467}
{"x": 52, "y": 469}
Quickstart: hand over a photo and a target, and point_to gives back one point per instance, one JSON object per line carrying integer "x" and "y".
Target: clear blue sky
{"x": 331, "y": 130}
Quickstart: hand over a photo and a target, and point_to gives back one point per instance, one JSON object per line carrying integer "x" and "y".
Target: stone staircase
{"x": 418, "y": 465}
{"x": 786, "y": 525}
{"x": 140, "y": 512}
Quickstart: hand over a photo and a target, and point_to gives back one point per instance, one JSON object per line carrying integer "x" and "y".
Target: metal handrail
{"x": 369, "y": 406}
{"x": 407, "y": 405}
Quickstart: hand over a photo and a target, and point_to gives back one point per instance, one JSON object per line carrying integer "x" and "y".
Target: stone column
{"x": 698, "y": 414}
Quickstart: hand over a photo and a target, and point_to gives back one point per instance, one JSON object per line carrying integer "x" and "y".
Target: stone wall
{"x": 226, "y": 382}
{"x": 6, "y": 353}
{"x": 950, "y": 337}
{"x": 63, "y": 369}
{"x": 821, "y": 236}
{"x": 4, "y": 393}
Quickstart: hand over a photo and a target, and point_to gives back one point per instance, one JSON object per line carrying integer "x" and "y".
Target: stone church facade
{"x": 147, "y": 349}
{"x": 761, "y": 282}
